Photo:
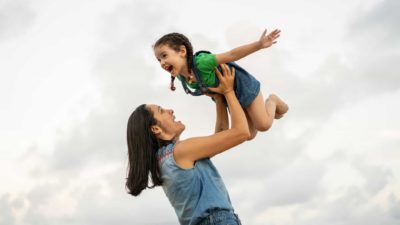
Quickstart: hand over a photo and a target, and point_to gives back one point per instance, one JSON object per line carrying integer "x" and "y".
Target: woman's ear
{"x": 156, "y": 129}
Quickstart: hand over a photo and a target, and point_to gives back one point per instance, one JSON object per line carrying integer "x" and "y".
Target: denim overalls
{"x": 198, "y": 195}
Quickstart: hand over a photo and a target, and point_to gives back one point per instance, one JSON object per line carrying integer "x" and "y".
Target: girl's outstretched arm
{"x": 235, "y": 54}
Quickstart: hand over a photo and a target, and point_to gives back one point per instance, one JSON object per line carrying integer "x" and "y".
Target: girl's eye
{"x": 165, "y": 55}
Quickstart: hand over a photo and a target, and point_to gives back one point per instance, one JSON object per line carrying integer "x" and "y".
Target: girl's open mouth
{"x": 170, "y": 68}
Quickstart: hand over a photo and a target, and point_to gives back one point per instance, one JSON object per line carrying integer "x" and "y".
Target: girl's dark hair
{"x": 142, "y": 149}
{"x": 175, "y": 41}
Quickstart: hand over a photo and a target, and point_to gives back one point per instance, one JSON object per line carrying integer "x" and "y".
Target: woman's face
{"x": 166, "y": 128}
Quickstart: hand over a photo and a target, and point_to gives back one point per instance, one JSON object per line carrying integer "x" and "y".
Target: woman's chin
{"x": 183, "y": 126}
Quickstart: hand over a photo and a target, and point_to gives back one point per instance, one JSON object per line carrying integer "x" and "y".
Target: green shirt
{"x": 205, "y": 64}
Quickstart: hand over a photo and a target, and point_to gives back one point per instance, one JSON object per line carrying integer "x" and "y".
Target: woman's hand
{"x": 226, "y": 80}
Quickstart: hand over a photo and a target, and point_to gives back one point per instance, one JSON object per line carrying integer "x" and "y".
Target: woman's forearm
{"x": 238, "y": 117}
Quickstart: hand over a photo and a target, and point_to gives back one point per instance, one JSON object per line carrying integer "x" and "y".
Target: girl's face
{"x": 166, "y": 128}
{"x": 171, "y": 60}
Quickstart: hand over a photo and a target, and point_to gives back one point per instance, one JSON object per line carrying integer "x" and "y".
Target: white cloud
{"x": 15, "y": 17}
{"x": 6, "y": 210}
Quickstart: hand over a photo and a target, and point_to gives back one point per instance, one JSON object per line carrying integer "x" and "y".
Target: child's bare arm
{"x": 235, "y": 54}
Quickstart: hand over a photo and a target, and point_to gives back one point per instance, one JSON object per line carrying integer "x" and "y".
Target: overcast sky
{"x": 71, "y": 73}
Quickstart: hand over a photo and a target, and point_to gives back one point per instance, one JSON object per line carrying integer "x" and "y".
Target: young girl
{"x": 175, "y": 54}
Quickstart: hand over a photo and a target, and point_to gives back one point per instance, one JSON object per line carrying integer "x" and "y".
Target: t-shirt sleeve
{"x": 206, "y": 62}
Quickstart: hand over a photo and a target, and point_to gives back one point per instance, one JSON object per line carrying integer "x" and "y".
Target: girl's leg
{"x": 262, "y": 114}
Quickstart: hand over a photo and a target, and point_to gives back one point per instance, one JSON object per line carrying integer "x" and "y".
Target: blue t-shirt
{"x": 194, "y": 192}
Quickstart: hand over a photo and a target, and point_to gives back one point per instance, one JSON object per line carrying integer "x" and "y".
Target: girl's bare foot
{"x": 278, "y": 116}
{"x": 281, "y": 106}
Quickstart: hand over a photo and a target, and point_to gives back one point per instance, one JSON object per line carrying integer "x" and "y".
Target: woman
{"x": 183, "y": 167}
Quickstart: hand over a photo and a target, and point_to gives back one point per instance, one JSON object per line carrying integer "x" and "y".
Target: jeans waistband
{"x": 219, "y": 215}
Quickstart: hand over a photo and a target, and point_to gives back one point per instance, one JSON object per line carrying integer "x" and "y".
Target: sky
{"x": 72, "y": 72}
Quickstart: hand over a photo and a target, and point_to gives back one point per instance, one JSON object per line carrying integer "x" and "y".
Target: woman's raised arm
{"x": 188, "y": 151}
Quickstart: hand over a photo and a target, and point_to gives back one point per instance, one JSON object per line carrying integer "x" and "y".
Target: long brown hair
{"x": 142, "y": 149}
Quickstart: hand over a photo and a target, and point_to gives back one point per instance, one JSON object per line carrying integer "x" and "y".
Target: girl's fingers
{"x": 263, "y": 33}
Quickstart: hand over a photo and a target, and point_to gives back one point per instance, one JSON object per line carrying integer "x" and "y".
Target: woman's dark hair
{"x": 175, "y": 41}
{"x": 142, "y": 149}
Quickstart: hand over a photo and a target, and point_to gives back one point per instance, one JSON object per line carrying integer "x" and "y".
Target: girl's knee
{"x": 264, "y": 126}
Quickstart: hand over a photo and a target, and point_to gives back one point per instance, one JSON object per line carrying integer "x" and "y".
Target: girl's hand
{"x": 226, "y": 80}
{"x": 270, "y": 39}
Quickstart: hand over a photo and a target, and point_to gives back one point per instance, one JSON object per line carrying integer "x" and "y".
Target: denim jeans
{"x": 221, "y": 217}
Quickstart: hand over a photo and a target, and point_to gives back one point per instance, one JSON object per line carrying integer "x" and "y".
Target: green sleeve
{"x": 205, "y": 61}
{"x": 206, "y": 64}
